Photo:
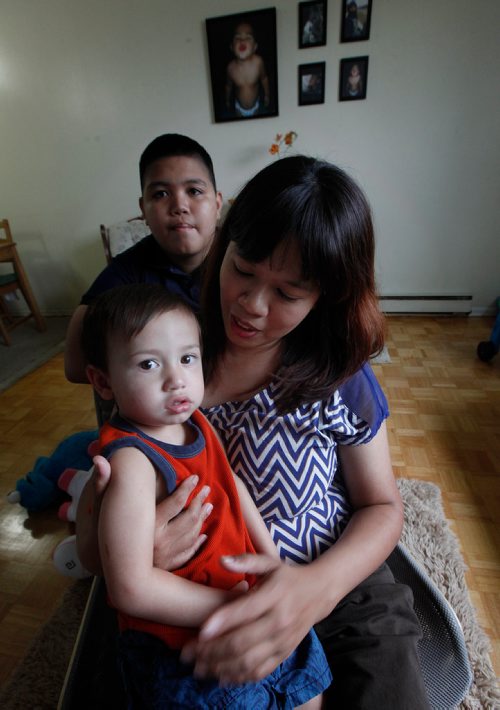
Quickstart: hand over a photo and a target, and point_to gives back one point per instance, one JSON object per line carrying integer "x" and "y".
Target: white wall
{"x": 84, "y": 86}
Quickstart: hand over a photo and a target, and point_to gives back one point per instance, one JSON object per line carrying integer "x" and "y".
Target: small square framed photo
{"x": 312, "y": 24}
{"x": 353, "y": 78}
{"x": 312, "y": 83}
{"x": 355, "y": 22}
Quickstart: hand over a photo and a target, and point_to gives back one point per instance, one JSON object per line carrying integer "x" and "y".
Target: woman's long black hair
{"x": 315, "y": 205}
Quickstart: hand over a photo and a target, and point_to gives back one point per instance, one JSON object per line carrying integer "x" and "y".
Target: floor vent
{"x": 438, "y": 305}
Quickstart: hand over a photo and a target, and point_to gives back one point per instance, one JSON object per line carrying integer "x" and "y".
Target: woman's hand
{"x": 177, "y": 531}
{"x": 247, "y": 638}
{"x": 87, "y": 515}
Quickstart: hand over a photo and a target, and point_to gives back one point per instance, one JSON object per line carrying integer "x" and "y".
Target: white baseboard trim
{"x": 420, "y": 304}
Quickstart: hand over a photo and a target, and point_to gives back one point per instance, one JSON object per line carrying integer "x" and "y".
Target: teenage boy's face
{"x": 181, "y": 207}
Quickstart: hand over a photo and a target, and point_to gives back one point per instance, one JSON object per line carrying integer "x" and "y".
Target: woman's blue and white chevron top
{"x": 289, "y": 462}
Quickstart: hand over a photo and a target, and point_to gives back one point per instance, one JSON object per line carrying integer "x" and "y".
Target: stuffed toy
{"x": 72, "y": 481}
{"x": 487, "y": 349}
{"x": 65, "y": 555}
{"x": 39, "y": 489}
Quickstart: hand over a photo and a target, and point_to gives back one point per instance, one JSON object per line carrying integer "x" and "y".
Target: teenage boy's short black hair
{"x": 171, "y": 144}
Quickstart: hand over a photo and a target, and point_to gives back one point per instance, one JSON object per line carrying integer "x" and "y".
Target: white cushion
{"x": 123, "y": 235}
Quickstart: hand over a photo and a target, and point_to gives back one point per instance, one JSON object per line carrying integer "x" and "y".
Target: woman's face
{"x": 262, "y": 302}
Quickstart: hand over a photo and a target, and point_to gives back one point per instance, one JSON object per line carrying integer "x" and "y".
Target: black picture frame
{"x": 355, "y": 21}
{"x": 312, "y": 24}
{"x": 353, "y": 88}
{"x": 312, "y": 83}
{"x": 230, "y": 102}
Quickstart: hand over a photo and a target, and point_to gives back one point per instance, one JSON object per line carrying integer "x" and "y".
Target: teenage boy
{"x": 181, "y": 205}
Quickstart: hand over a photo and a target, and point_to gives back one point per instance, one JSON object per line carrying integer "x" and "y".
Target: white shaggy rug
{"x": 381, "y": 359}
{"x": 38, "y": 680}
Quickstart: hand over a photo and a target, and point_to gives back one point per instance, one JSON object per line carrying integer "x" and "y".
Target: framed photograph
{"x": 353, "y": 78}
{"x": 312, "y": 24}
{"x": 243, "y": 65}
{"x": 312, "y": 83}
{"x": 355, "y": 22}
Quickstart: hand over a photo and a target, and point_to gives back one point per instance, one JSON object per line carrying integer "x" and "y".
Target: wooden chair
{"x": 12, "y": 282}
{"x": 117, "y": 238}
{"x": 122, "y": 235}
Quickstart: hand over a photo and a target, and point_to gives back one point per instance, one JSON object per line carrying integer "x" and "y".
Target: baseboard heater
{"x": 437, "y": 305}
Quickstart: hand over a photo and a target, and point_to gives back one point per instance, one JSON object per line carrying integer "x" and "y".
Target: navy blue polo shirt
{"x": 146, "y": 262}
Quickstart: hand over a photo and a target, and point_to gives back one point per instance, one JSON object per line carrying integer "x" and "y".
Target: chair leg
{"x": 28, "y": 295}
{"x": 4, "y": 331}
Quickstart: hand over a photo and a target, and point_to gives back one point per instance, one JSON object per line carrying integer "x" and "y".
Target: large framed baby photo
{"x": 353, "y": 78}
{"x": 243, "y": 65}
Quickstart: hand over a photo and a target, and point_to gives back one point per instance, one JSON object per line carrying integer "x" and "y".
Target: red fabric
{"x": 225, "y": 528}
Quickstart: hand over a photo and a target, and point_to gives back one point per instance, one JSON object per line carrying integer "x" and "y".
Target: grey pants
{"x": 370, "y": 640}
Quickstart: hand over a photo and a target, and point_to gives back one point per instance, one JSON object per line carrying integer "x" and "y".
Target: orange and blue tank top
{"x": 225, "y": 528}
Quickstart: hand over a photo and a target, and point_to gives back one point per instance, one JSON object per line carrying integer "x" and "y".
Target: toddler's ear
{"x": 99, "y": 381}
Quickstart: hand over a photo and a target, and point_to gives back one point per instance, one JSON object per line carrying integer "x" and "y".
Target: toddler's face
{"x": 243, "y": 44}
{"x": 157, "y": 377}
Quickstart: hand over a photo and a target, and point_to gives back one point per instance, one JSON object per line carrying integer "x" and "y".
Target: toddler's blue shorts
{"x": 155, "y": 678}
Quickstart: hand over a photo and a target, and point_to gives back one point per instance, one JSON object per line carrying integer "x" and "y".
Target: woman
{"x": 291, "y": 318}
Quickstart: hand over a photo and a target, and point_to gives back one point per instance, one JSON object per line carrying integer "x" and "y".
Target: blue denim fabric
{"x": 155, "y": 679}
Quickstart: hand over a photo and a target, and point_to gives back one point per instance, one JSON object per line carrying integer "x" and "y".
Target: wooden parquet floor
{"x": 444, "y": 427}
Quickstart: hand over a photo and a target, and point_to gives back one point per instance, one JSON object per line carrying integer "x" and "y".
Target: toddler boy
{"x": 142, "y": 345}
{"x": 246, "y": 74}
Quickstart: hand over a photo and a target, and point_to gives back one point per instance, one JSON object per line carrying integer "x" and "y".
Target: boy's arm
{"x": 265, "y": 82}
{"x": 229, "y": 86}
{"x": 126, "y": 538}
{"x": 259, "y": 534}
{"x": 74, "y": 361}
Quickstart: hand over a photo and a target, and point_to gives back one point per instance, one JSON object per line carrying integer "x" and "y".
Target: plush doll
{"x": 65, "y": 555}
{"x": 72, "y": 481}
{"x": 39, "y": 489}
{"x": 487, "y": 349}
